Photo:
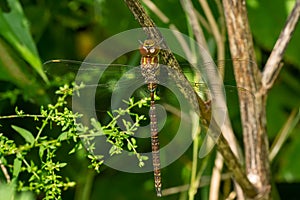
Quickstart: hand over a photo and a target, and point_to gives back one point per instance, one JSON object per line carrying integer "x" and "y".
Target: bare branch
{"x": 216, "y": 178}
{"x": 252, "y": 109}
{"x": 273, "y": 66}
{"x": 189, "y": 9}
{"x": 157, "y": 11}
{"x": 215, "y": 30}
{"x": 235, "y": 167}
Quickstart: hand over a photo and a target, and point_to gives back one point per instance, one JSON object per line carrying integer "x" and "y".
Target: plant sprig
{"x": 44, "y": 177}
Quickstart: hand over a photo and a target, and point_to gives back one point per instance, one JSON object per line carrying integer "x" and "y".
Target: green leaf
{"x": 15, "y": 30}
{"x": 25, "y": 134}
{"x": 63, "y": 136}
{"x": 41, "y": 151}
{"x": 129, "y": 146}
{"x": 76, "y": 147}
{"x": 17, "y": 167}
{"x": 133, "y": 141}
{"x": 61, "y": 165}
{"x": 144, "y": 158}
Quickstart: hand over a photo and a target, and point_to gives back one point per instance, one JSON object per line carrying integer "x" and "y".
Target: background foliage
{"x": 33, "y": 32}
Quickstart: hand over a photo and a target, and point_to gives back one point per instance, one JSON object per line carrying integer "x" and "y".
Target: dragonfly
{"x": 123, "y": 77}
{"x": 150, "y": 68}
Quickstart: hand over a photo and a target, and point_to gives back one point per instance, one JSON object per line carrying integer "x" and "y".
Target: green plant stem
{"x": 28, "y": 166}
{"x": 284, "y": 133}
{"x": 21, "y": 116}
{"x": 45, "y": 122}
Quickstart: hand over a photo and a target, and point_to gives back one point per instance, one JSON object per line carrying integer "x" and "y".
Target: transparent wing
{"x": 106, "y": 78}
{"x": 105, "y": 86}
{"x": 104, "y": 82}
{"x": 67, "y": 70}
{"x": 62, "y": 71}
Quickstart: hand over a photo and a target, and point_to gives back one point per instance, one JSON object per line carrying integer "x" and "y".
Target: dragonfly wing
{"x": 102, "y": 82}
{"x": 221, "y": 65}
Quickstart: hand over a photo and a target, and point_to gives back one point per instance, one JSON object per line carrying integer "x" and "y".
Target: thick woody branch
{"x": 273, "y": 65}
{"x": 252, "y": 107}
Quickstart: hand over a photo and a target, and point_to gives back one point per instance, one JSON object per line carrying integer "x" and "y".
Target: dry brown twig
{"x": 5, "y": 172}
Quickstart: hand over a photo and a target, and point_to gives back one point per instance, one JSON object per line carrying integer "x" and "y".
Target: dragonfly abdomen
{"x": 150, "y": 71}
{"x": 155, "y": 149}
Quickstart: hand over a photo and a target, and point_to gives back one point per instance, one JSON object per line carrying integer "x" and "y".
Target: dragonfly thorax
{"x": 149, "y": 50}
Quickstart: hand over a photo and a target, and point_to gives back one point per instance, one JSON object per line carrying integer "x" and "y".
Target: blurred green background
{"x": 34, "y": 31}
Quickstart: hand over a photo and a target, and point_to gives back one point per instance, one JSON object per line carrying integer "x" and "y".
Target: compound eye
{"x": 152, "y": 50}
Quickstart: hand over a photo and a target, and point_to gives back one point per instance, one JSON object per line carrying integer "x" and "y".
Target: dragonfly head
{"x": 149, "y": 48}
